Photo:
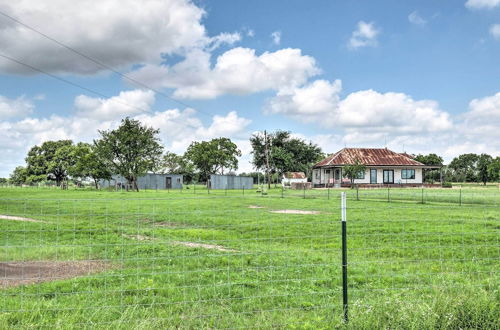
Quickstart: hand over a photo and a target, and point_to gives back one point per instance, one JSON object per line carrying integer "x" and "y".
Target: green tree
{"x": 494, "y": 169}
{"x": 213, "y": 156}
{"x": 285, "y": 153}
{"x": 465, "y": 167}
{"x": 178, "y": 164}
{"x": 130, "y": 150}
{"x": 431, "y": 160}
{"x": 352, "y": 171}
{"x": 19, "y": 175}
{"x": 483, "y": 162}
{"x": 49, "y": 161}
{"x": 88, "y": 164}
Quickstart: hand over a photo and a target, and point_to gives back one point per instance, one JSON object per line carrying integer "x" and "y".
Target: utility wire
{"x": 85, "y": 88}
{"x": 103, "y": 65}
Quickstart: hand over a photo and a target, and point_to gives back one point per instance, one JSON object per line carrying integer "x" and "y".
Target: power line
{"x": 103, "y": 65}
{"x": 85, "y": 88}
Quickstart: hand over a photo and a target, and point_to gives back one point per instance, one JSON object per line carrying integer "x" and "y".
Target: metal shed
{"x": 148, "y": 181}
{"x": 230, "y": 182}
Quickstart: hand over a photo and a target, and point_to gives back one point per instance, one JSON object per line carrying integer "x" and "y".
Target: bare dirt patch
{"x": 204, "y": 246}
{"x": 11, "y": 217}
{"x": 139, "y": 237}
{"x": 29, "y": 272}
{"x": 295, "y": 212}
{"x": 255, "y": 207}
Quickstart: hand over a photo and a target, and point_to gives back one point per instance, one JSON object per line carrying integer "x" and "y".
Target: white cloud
{"x": 116, "y": 32}
{"x": 127, "y": 103}
{"x": 319, "y": 102}
{"x": 495, "y": 31}
{"x": 276, "y": 36}
{"x": 237, "y": 71}
{"x": 364, "y": 36}
{"x": 12, "y": 108}
{"x": 395, "y": 112}
{"x": 482, "y": 121}
{"x": 482, "y": 4}
{"x": 313, "y": 102}
{"x": 416, "y": 19}
{"x": 223, "y": 38}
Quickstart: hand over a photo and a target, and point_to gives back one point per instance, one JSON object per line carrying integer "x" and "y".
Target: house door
{"x": 373, "y": 175}
{"x": 388, "y": 176}
{"x": 168, "y": 183}
{"x": 337, "y": 174}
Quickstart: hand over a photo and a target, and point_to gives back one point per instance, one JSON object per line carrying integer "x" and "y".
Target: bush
{"x": 447, "y": 185}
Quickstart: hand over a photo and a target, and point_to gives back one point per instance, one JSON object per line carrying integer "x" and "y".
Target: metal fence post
{"x": 357, "y": 192}
{"x": 344, "y": 257}
{"x": 388, "y": 194}
{"x": 304, "y": 191}
{"x": 422, "y": 194}
{"x": 460, "y": 198}
{"x": 282, "y": 191}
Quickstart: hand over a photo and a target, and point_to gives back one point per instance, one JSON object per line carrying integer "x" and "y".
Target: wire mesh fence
{"x": 228, "y": 260}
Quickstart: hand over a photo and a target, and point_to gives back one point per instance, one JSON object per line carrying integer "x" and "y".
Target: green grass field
{"x": 418, "y": 259}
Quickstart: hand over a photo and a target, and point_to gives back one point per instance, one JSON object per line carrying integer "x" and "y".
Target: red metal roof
{"x": 368, "y": 157}
{"x": 295, "y": 175}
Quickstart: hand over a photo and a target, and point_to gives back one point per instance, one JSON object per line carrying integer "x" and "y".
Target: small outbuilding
{"x": 230, "y": 182}
{"x": 147, "y": 181}
{"x": 290, "y": 178}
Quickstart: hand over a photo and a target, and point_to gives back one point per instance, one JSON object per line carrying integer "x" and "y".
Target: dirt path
{"x": 295, "y": 212}
{"x": 29, "y": 272}
{"x": 10, "y": 217}
{"x": 204, "y": 246}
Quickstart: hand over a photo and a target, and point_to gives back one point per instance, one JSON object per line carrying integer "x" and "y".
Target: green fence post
{"x": 344, "y": 257}
{"x": 460, "y": 198}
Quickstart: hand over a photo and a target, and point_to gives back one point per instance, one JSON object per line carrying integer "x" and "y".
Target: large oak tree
{"x": 131, "y": 150}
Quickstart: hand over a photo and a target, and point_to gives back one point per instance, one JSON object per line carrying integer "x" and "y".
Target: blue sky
{"x": 418, "y": 76}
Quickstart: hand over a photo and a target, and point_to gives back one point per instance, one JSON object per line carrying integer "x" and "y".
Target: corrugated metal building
{"x": 230, "y": 182}
{"x": 148, "y": 181}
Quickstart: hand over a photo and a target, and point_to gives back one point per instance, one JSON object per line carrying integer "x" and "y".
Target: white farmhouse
{"x": 383, "y": 167}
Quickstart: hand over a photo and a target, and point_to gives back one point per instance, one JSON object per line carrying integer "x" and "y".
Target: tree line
{"x": 133, "y": 149}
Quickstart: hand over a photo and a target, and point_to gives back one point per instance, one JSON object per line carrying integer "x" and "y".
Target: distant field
{"x": 228, "y": 259}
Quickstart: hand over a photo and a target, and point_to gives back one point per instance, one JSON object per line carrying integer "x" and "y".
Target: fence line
{"x": 230, "y": 262}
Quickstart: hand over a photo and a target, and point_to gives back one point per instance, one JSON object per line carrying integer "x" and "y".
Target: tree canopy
{"x": 214, "y": 156}
{"x": 130, "y": 150}
{"x": 177, "y": 164}
{"x": 50, "y": 161}
{"x": 87, "y": 164}
{"x": 286, "y": 154}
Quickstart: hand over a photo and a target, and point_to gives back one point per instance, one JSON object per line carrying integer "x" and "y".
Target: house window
{"x": 360, "y": 175}
{"x": 318, "y": 174}
{"x": 407, "y": 174}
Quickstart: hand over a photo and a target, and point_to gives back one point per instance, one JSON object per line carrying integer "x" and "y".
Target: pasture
{"x": 240, "y": 259}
